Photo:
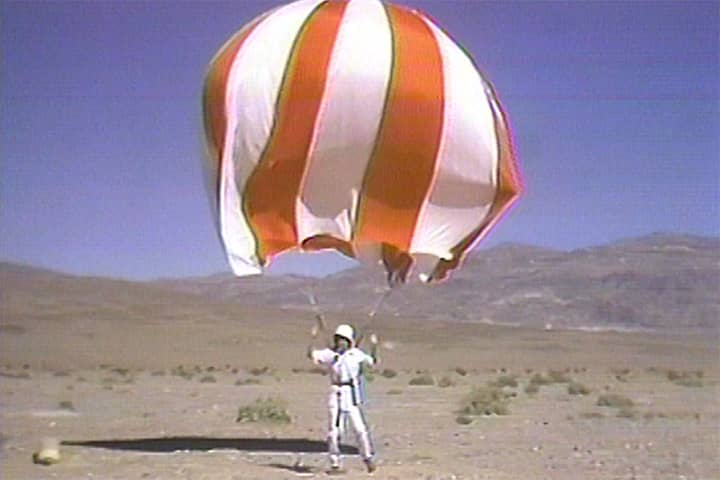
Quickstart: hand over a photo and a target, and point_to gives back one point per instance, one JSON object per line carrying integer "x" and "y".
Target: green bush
{"x": 265, "y": 410}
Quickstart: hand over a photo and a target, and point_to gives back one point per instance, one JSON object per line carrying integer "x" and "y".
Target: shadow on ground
{"x": 295, "y": 468}
{"x": 205, "y": 444}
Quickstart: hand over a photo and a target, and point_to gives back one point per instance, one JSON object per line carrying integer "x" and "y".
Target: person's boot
{"x": 335, "y": 468}
{"x": 370, "y": 465}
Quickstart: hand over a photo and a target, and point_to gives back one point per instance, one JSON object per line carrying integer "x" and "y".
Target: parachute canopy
{"x": 353, "y": 125}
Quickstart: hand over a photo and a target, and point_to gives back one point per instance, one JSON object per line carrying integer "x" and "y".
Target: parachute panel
{"x": 403, "y": 164}
{"x": 347, "y": 124}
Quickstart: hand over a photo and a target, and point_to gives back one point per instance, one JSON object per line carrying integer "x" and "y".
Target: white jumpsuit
{"x": 344, "y": 398}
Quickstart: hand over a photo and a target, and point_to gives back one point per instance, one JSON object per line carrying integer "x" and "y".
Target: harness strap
{"x": 343, "y": 384}
{"x": 339, "y": 411}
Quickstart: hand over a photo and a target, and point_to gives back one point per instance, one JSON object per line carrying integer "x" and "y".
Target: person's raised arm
{"x": 314, "y": 345}
{"x": 374, "y": 349}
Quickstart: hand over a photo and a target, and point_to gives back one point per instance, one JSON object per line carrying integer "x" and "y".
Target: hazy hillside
{"x": 665, "y": 282}
{"x": 654, "y": 282}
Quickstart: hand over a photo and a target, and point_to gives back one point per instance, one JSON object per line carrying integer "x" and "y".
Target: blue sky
{"x": 615, "y": 109}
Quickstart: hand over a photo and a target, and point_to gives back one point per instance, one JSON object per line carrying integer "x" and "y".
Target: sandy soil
{"x": 115, "y": 394}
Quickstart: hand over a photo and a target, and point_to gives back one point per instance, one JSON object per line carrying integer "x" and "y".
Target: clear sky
{"x": 615, "y": 110}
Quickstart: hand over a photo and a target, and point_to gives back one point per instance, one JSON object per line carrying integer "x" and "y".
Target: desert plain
{"x": 138, "y": 398}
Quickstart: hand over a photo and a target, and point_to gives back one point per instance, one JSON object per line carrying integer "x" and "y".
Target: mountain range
{"x": 660, "y": 282}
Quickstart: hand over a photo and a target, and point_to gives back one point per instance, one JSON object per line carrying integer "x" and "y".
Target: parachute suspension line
{"x": 379, "y": 302}
{"x": 382, "y": 297}
{"x": 319, "y": 314}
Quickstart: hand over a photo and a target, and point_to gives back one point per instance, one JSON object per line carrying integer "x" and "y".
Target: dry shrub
{"x": 317, "y": 370}
{"x": 504, "y": 381}
{"x": 615, "y": 400}
{"x": 445, "y": 382}
{"x": 461, "y": 371}
{"x": 653, "y": 415}
{"x": 66, "y": 405}
{"x": 685, "y": 378}
{"x": 394, "y": 391}
{"x": 208, "y": 379}
{"x": 464, "y": 419}
{"x": 539, "y": 380}
{"x": 485, "y": 401}
{"x": 689, "y": 382}
{"x": 180, "y": 371}
{"x": 532, "y": 388}
{"x": 389, "y": 373}
{"x": 257, "y": 371}
{"x": 265, "y": 410}
{"x": 575, "y": 388}
{"x": 556, "y": 376}
{"x": 552, "y": 377}
{"x": 626, "y": 413}
{"x": 422, "y": 380}
{"x": 19, "y": 375}
{"x": 247, "y": 381}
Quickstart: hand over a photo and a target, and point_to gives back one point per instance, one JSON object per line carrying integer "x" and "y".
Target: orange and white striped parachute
{"x": 353, "y": 125}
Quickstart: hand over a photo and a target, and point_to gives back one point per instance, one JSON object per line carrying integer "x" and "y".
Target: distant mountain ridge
{"x": 657, "y": 282}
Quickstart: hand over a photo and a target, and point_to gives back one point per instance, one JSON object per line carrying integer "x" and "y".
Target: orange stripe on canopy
{"x": 401, "y": 170}
{"x": 273, "y": 187}
{"x": 214, "y": 96}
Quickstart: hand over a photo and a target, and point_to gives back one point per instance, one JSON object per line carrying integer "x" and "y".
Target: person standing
{"x": 344, "y": 362}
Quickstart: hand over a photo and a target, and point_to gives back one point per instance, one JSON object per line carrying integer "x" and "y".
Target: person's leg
{"x": 363, "y": 435}
{"x": 333, "y": 437}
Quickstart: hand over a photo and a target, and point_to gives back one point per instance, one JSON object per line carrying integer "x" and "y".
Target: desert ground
{"x": 136, "y": 398}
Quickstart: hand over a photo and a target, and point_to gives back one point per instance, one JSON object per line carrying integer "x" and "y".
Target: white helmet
{"x": 345, "y": 331}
